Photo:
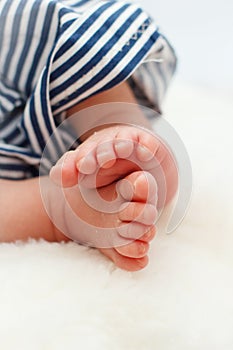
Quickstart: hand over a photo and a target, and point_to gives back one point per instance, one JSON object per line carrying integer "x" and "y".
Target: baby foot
{"x": 108, "y": 155}
{"x": 123, "y": 235}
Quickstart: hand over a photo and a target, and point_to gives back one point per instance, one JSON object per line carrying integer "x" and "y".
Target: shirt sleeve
{"x": 55, "y": 55}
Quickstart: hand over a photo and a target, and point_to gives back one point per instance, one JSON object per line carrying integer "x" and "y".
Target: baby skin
{"x": 116, "y": 162}
{"x": 104, "y": 194}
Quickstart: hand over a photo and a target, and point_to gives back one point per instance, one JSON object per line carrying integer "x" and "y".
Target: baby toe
{"x": 87, "y": 165}
{"x": 123, "y": 143}
{"x": 144, "y": 213}
{"x": 136, "y": 249}
{"x": 105, "y": 154}
{"x": 147, "y": 146}
{"x": 64, "y": 172}
{"x": 149, "y": 234}
{"x": 138, "y": 186}
{"x": 135, "y": 230}
{"x": 86, "y": 158}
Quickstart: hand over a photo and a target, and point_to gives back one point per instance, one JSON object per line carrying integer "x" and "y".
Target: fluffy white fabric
{"x": 65, "y": 296}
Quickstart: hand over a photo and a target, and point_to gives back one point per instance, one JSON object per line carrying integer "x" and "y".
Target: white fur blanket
{"x": 65, "y": 296}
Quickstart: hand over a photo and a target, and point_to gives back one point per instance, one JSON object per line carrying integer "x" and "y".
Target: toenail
{"x": 144, "y": 153}
{"x": 126, "y": 189}
{"x": 142, "y": 248}
{"x": 102, "y": 154}
{"x": 87, "y": 165}
{"x": 124, "y": 148}
{"x": 141, "y": 178}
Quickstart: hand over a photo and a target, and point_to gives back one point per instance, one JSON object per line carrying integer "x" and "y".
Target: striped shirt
{"x": 57, "y": 53}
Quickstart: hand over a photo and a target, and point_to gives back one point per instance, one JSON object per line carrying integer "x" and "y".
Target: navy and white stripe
{"x": 56, "y": 53}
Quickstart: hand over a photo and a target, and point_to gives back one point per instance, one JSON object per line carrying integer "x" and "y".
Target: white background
{"x": 201, "y": 32}
{"x": 66, "y": 296}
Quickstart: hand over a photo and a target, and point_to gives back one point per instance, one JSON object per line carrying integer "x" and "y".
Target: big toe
{"x": 64, "y": 173}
